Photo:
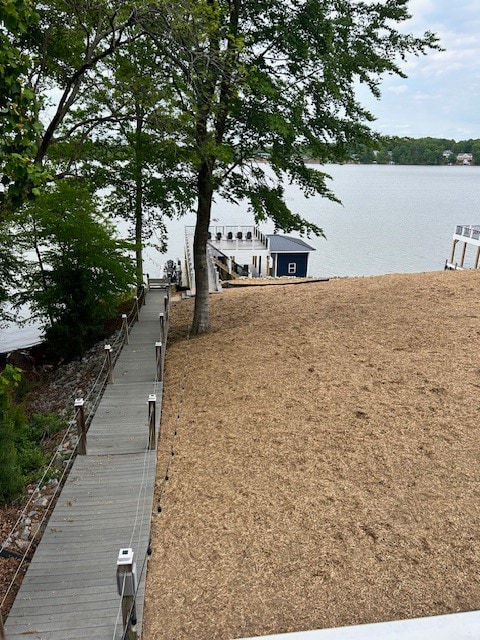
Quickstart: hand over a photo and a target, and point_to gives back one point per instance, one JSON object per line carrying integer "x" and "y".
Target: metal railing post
{"x": 152, "y": 402}
{"x": 81, "y": 429}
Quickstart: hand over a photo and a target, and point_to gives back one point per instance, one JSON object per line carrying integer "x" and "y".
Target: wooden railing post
{"x": 2, "y": 630}
{"x": 167, "y": 301}
{"x": 126, "y": 586}
{"x": 81, "y": 429}
{"x": 125, "y": 329}
{"x": 161, "y": 317}
{"x": 108, "y": 351}
{"x": 158, "y": 356}
{"x": 137, "y": 310}
{"x": 152, "y": 403}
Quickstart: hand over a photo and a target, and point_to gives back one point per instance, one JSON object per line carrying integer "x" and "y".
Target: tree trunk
{"x": 42, "y": 272}
{"x": 201, "y": 320}
{"x": 138, "y": 196}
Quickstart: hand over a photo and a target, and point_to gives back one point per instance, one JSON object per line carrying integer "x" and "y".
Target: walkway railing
{"x": 85, "y": 409}
{"x": 468, "y": 231}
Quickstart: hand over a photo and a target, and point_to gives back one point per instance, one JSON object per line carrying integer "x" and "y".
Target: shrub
{"x": 44, "y": 426}
{"x": 11, "y": 477}
{"x": 21, "y": 452}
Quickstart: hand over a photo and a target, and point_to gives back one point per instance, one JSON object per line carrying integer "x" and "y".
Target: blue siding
{"x": 299, "y": 259}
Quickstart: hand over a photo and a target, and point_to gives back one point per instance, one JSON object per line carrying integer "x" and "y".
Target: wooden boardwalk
{"x": 70, "y": 589}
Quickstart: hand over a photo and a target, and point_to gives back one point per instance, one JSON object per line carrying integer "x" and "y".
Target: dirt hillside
{"x": 326, "y": 459}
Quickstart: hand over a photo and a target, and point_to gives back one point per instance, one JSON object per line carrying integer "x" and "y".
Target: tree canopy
{"x": 19, "y": 106}
{"x": 274, "y": 75}
{"x": 81, "y": 268}
{"x": 167, "y": 104}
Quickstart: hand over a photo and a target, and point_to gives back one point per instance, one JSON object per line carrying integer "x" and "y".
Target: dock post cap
{"x": 158, "y": 344}
{"x": 79, "y": 402}
{"x": 107, "y": 347}
{"x": 125, "y": 556}
{"x": 152, "y": 397}
{"x": 124, "y": 315}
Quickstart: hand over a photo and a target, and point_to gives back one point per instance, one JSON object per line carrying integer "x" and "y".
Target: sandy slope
{"x": 327, "y": 457}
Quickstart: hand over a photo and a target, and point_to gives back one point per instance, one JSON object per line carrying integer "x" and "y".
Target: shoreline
{"x": 226, "y": 284}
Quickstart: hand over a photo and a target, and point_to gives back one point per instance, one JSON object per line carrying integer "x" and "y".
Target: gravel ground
{"x": 326, "y": 459}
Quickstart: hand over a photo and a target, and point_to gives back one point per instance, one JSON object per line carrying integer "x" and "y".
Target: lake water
{"x": 393, "y": 219}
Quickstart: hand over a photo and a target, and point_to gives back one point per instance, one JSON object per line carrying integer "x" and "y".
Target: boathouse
{"x": 237, "y": 250}
{"x": 289, "y": 256}
{"x": 466, "y": 235}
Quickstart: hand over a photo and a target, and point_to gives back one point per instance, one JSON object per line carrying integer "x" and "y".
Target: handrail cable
{"x": 152, "y": 460}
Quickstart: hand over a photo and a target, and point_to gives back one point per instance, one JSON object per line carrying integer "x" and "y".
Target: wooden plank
{"x": 69, "y": 591}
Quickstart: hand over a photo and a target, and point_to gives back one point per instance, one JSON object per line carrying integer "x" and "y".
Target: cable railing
{"x": 129, "y": 596}
{"x": 128, "y": 613}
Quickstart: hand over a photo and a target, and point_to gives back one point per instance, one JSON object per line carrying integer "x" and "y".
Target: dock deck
{"x": 70, "y": 589}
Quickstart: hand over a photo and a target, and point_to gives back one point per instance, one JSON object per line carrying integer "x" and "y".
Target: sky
{"x": 441, "y": 96}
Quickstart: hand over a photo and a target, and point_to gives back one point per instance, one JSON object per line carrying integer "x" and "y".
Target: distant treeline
{"x": 437, "y": 151}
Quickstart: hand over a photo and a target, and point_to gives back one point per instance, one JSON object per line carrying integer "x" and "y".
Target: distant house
{"x": 465, "y": 158}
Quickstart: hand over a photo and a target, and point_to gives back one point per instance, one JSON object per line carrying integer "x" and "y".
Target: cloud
{"x": 440, "y": 95}
{"x": 398, "y": 89}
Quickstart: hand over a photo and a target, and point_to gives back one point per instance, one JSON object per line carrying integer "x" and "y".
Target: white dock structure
{"x": 243, "y": 250}
{"x": 467, "y": 235}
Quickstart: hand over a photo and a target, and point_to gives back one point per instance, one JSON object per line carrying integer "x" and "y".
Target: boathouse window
{"x": 292, "y": 267}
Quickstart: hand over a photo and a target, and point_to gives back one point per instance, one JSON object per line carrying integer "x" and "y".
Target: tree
{"x": 19, "y": 128}
{"x": 274, "y": 76}
{"x": 81, "y": 271}
{"x": 73, "y": 40}
{"x": 135, "y": 160}
{"x": 61, "y": 48}
{"x": 19, "y": 106}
